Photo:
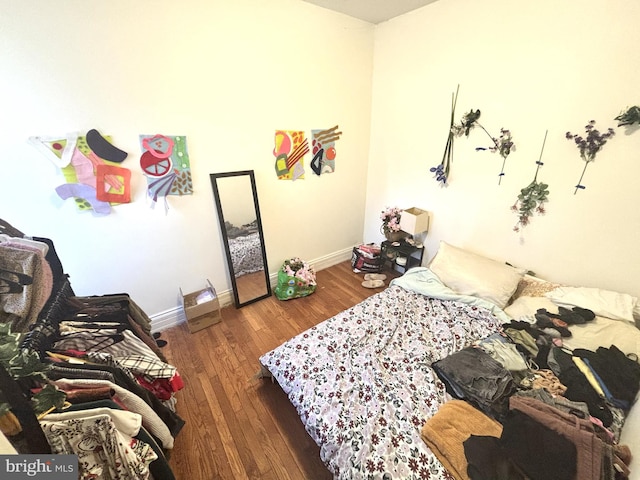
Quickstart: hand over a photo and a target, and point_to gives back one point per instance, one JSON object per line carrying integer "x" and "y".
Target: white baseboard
{"x": 174, "y": 316}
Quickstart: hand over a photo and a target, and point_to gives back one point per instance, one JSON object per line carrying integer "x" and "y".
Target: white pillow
{"x": 467, "y": 273}
{"x": 600, "y": 332}
{"x": 605, "y": 303}
{"x": 525, "y": 306}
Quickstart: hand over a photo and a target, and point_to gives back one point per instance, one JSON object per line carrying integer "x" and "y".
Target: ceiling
{"x": 372, "y": 11}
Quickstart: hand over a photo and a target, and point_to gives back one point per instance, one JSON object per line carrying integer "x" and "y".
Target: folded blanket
{"x": 424, "y": 281}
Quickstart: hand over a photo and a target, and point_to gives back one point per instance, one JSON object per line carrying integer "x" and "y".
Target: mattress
{"x": 362, "y": 384}
{"x": 362, "y": 381}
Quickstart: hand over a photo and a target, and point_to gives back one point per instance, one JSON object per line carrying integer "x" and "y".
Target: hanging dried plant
{"x": 503, "y": 145}
{"x": 629, "y": 117}
{"x": 589, "y": 146}
{"x": 442, "y": 171}
{"x": 531, "y": 198}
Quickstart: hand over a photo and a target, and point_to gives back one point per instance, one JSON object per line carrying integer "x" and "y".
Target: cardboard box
{"x": 201, "y": 308}
{"x": 414, "y": 220}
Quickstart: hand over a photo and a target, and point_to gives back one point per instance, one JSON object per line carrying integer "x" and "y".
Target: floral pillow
{"x": 530, "y": 286}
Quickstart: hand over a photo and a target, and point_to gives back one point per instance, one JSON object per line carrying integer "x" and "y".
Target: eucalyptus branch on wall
{"x": 589, "y": 146}
{"x": 531, "y": 198}
{"x": 503, "y": 145}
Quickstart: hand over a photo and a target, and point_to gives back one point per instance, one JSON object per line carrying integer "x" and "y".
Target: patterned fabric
{"x": 531, "y": 287}
{"x": 27, "y": 268}
{"x": 148, "y": 366}
{"x": 246, "y": 254}
{"x": 154, "y": 375}
{"x": 547, "y": 379}
{"x": 161, "y": 388}
{"x": 363, "y": 386}
{"x": 101, "y": 358}
{"x": 103, "y": 442}
{"x": 122, "y": 344}
{"x": 61, "y": 371}
{"x": 132, "y": 402}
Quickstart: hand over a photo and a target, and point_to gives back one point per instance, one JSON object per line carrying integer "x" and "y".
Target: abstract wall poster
{"x": 165, "y": 163}
{"x": 290, "y": 148}
{"x": 57, "y": 149}
{"x": 90, "y": 165}
{"x": 323, "y": 147}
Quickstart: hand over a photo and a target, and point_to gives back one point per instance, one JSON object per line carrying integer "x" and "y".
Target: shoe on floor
{"x": 373, "y": 283}
{"x": 375, "y": 276}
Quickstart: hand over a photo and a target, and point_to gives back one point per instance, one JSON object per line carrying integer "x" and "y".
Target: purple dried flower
{"x": 442, "y": 170}
{"x": 590, "y": 146}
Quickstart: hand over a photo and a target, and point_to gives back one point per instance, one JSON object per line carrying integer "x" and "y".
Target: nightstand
{"x": 391, "y": 251}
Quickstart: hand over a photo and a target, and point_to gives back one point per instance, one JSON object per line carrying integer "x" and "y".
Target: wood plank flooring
{"x": 239, "y": 426}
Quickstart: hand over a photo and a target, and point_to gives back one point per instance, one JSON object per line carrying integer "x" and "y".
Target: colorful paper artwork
{"x": 290, "y": 148}
{"x": 165, "y": 163}
{"x": 90, "y": 166}
{"x": 324, "y": 150}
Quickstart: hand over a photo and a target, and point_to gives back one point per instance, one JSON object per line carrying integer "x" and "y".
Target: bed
{"x": 245, "y": 248}
{"x": 364, "y": 384}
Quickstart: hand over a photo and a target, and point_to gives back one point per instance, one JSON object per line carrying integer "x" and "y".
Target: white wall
{"x": 228, "y": 74}
{"x": 237, "y": 199}
{"x": 529, "y": 67}
{"x": 224, "y": 74}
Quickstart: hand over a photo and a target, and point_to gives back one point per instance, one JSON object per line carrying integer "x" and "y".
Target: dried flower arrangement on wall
{"x": 630, "y": 116}
{"x": 442, "y": 171}
{"x": 503, "y": 144}
{"x": 531, "y": 198}
{"x": 589, "y": 146}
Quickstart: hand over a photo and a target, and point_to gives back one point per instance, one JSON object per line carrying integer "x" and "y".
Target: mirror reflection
{"x": 239, "y": 215}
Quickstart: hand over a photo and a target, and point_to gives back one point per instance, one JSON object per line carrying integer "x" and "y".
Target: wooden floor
{"x": 239, "y": 426}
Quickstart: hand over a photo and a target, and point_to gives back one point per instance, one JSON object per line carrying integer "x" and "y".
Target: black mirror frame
{"x": 216, "y": 193}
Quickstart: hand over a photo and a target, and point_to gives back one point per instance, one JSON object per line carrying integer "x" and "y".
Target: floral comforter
{"x": 362, "y": 384}
{"x": 246, "y": 254}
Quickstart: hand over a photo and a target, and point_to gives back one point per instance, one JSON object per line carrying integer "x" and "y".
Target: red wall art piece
{"x": 323, "y": 147}
{"x": 290, "y": 148}
{"x": 165, "y": 163}
{"x": 91, "y": 167}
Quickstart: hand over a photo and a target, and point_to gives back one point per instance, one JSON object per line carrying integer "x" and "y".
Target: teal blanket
{"x": 424, "y": 281}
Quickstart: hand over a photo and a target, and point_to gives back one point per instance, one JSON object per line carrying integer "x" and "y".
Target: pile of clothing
{"x": 526, "y": 407}
{"x": 120, "y": 387}
{"x": 94, "y": 359}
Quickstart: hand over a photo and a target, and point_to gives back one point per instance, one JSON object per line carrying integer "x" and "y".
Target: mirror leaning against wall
{"x": 236, "y": 200}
